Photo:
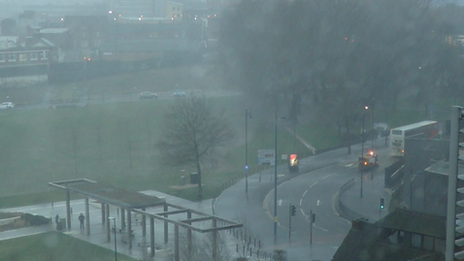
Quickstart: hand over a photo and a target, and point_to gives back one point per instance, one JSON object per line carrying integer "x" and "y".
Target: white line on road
{"x": 323, "y": 229}
{"x": 304, "y": 193}
{"x": 301, "y": 201}
{"x": 330, "y": 175}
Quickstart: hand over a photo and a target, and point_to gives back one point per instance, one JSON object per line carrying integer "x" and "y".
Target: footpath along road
{"x": 231, "y": 198}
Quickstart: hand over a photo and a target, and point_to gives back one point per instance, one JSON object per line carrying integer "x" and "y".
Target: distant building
{"x": 15, "y": 52}
{"x": 146, "y": 10}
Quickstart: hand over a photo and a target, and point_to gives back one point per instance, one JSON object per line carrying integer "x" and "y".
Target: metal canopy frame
{"x": 137, "y": 202}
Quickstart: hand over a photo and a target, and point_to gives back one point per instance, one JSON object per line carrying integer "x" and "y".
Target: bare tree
{"x": 193, "y": 129}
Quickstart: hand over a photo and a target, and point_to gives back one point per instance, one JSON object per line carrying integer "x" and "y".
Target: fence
{"x": 252, "y": 248}
{"x": 343, "y": 209}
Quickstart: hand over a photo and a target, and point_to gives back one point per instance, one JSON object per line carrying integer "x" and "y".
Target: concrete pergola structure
{"x": 137, "y": 203}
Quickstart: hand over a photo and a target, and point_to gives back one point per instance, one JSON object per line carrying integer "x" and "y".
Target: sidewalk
{"x": 98, "y": 232}
{"x": 353, "y": 206}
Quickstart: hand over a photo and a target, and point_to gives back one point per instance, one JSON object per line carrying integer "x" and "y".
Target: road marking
{"x": 349, "y": 165}
{"x": 323, "y": 229}
{"x": 313, "y": 184}
{"x": 330, "y": 175}
{"x": 318, "y": 202}
{"x": 305, "y": 193}
{"x": 279, "y": 202}
{"x": 301, "y": 200}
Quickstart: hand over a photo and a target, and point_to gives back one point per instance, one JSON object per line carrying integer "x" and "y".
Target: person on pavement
{"x": 81, "y": 220}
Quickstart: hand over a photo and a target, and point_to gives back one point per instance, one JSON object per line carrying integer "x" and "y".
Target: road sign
{"x": 266, "y": 157}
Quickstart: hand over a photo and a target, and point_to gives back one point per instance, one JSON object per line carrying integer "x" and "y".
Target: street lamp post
{"x": 362, "y": 149}
{"x": 115, "y": 243}
{"x": 246, "y": 151}
{"x": 373, "y": 127}
{"x": 275, "y": 178}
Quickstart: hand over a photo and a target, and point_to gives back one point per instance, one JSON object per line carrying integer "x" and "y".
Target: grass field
{"x": 54, "y": 246}
{"x": 114, "y": 143}
{"x": 111, "y": 143}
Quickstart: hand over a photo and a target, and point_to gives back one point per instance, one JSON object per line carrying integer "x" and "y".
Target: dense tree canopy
{"x": 338, "y": 55}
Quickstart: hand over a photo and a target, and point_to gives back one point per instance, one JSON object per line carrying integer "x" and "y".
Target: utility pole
{"x": 275, "y": 178}
{"x": 311, "y": 227}
{"x": 246, "y": 150}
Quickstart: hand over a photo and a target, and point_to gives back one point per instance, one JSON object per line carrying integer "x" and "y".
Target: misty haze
{"x": 231, "y": 130}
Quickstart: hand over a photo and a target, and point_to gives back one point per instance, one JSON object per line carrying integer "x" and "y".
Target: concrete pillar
{"x": 103, "y": 213}
{"x": 68, "y": 210}
{"x": 87, "y": 217}
{"x": 176, "y": 242}
{"x": 108, "y": 231}
{"x": 123, "y": 219}
{"x": 129, "y": 229}
{"x": 152, "y": 236}
{"x": 165, "y": 208}
{"x": 214, "y": 239}
{"x": 144, "y": 224}
{"x": 189, "y": 234}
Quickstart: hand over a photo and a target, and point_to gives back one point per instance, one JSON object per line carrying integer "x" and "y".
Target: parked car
{"x": 179, "y": 94}
{"x": 148, "y": 95}
{"x": 6, "y": 105}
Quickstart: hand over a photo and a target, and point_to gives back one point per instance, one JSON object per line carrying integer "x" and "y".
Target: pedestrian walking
{"x": 57, "y": 218}
{"x": 81, "y": 220}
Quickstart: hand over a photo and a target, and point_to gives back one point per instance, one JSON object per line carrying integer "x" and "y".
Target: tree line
{"x": 335, "y": 57}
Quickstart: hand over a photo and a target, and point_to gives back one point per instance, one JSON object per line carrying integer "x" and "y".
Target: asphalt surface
{"x": 315, "y": 188}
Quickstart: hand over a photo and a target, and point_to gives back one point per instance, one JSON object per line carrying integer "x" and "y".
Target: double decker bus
{"x": 428, "y": 129}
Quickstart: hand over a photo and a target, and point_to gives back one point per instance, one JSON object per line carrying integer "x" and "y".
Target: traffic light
{"x": 382, "y": 203}
{"x": 313, "y": 218}
{"x": 293, "y": 210}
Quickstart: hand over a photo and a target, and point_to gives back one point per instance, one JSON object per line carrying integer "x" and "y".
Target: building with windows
{"x": 26, "y": 59}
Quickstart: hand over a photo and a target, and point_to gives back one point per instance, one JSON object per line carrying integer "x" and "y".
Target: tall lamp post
{"x": 373, "y": 127}
{"x": 275, "y": 178}
{"x": 246, "y": 149}
{"x": 115, "y": 243}
{"x": 362, "y": 148}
